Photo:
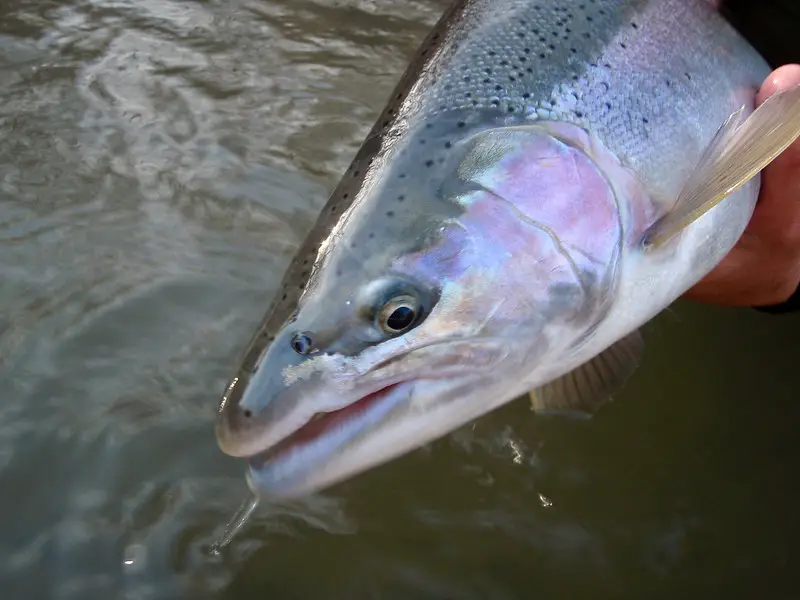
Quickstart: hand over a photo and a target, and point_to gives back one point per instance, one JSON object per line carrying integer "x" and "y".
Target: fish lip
{"x": 374, "y": 388}
{"x": 396, "y": 394}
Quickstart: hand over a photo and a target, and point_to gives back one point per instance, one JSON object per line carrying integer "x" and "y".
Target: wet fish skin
{"x": 516, "y": 285}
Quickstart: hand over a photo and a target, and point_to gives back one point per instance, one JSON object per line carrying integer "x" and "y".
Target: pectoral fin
{"x": 583, "y": 390}
{"x": 741, "y": 148}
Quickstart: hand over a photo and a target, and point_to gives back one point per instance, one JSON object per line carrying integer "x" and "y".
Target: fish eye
{"x": 399, "y": 314}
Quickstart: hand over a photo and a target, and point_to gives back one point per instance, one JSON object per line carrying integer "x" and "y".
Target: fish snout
{"x": 239, "y": 428}
{"x": 259, "y": 403}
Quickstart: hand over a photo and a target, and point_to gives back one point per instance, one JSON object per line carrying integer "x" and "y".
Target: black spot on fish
{"x": 448, "y": 145}
{"x": 284, "y": 297}
{"x": 488, "y": 71}
{"x": 389, "y": 213}
{"x": 400, "y": 198}
{"x": 526, "y": 95}
{"x": 645, "y": 120}
{"x": 345, "y": 195}
{"x": 461, "y": 124}
{"x": 356, "y": 173}
{"x": 634, "y": 25}
{"x": 371, "y": 235}
{"x": 496, "y": 102}
{"x": 579, "y": 114}
{"x": 622, "y": 45}
{"x": 428, "y": 163}
{"x": 511, "y": 109}
{"x": 497, "y": 88}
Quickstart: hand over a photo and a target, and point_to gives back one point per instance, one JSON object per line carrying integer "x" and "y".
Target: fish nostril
{"x": 302, "y": 344}
{"x": 248, "y": 413}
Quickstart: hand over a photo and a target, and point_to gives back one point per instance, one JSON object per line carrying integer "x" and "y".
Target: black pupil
{"x": 401, "y": 318}
{"x": 301, "y": 343}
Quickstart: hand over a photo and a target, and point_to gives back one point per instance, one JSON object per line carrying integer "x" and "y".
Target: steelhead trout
{"x": 547, "y": 176}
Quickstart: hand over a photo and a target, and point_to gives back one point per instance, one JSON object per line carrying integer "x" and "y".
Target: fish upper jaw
{"x": 260, "y": 413}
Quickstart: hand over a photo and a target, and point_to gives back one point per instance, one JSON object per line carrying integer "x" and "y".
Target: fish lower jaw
{"x": 322, "y": 436}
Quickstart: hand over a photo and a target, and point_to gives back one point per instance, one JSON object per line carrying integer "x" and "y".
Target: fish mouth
{"x": 321, "y": 437}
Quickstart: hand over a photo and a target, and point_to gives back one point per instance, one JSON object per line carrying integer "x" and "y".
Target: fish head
{"x": 433, "y": 300}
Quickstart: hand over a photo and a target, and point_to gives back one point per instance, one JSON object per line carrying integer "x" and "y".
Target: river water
{"x": 159, "y": 162}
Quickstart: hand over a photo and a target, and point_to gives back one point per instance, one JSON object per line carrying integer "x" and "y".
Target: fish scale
{"x": 601, "y": 65}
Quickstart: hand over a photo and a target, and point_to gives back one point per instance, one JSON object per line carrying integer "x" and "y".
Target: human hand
{"x": 764, "y": 267}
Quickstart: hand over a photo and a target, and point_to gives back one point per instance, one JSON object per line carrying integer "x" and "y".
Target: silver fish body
{"x": 486, "y": 239}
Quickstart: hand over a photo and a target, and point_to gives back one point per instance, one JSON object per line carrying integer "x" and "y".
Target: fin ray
{"x": 740, "y": 149}
{"x": 586, "y": 388}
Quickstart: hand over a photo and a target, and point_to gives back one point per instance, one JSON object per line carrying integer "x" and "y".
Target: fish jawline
{"x": 323, "y": 425}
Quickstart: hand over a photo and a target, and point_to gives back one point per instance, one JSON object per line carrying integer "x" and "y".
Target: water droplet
{"x": 134, "y": 558}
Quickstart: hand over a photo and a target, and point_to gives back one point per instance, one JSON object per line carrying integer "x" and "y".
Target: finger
{"x": 777, "y": 215}
{"x": 781, "y": 78}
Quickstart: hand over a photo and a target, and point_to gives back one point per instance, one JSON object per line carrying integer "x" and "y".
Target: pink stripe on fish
{"x": 556, "y": 186}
